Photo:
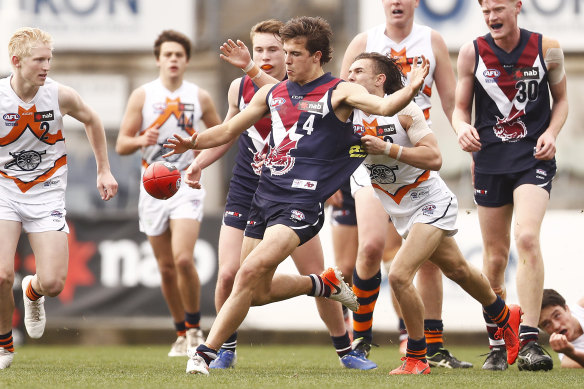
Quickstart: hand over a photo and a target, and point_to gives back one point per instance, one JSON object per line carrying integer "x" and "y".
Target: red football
{"x": 161, "y": 180}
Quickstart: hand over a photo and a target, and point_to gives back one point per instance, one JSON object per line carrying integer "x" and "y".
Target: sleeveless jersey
{"x": 252, "y": 144}
{"x": 417, "y": 43}
{"x": 512, "y": 104}
{"x": 33, "y": 157}
{"x": 398, "y": 184}
{"x": 311, "y": 151}
{"x": 174, "y": 112}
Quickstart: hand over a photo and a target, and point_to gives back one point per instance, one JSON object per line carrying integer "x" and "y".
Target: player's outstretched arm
{"x": 237, "y": 54}
{"x": 225, "y": 132}
{"x": 358, "y": 97}
{"x": 468, "y": 136}
{"x": 70, "y": 103}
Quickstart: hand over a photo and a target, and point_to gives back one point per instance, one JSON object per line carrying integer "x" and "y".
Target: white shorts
{"x": 155, "y": 214}
{"x": 359, "y": 179}
{"x": 435, "y": 205}
{"x": 35, "y": 217}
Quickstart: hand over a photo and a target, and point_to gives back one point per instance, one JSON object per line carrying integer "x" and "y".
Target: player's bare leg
{"x": 8, "y": 242}
{"x": 162, "y": 248}
{"x": 530, "y": 205}
{"x": 184, "y": 235}
{"x": 372, "y": 231}
{"x": 495, "y": 226}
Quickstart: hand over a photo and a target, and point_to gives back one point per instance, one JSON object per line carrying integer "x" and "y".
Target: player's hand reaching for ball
{"x": 179, "y": 145}
{"x": 193, "y": 175}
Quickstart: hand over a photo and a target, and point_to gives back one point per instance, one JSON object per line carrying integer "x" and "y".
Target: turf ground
{"x": 270, "y": 366}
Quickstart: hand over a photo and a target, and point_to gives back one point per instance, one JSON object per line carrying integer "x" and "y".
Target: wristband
{"x": 194, "y": 143}
{"x": 401, "y": 148}
{"x": 248, "y": 66}
{"x": 387, "y": 148}
{"x": 257, "y": 75}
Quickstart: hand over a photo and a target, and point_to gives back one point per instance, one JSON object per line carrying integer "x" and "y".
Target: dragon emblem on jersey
{"x": 511, "y": 129}
{"x": 382, "y": 174}
{"x": 258, "y": 158}
{"x": 278, "y": 159}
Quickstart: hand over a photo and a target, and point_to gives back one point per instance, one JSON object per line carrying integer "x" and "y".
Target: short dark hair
{"x": 317, "y": 32}
{"x": 552, "y": 298}
{"x": 270, "y": 26}
{"x": 384, "y": 64}
{"x": 172, "y": 36}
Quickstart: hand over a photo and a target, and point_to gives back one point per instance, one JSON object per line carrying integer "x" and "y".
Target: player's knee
{"x": 458, "y": 273}
{"x": 527, "y": 242}
{"x": 184, "y": 264}
{"x": 225, "y": 278}
{"x": 370, "y": 253}
{"x": 167, "y": 272}
{"x": 51, "y": 286}
{"x": 398, "y": 279}
{"x": 6, "y": 281}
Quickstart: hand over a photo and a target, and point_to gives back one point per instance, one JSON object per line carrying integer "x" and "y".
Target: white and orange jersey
{"x": 33, "y": 157}
{"x": 174, "y": 112}
{"x": 416, "y": 44}
{"x": 399, "y": 186}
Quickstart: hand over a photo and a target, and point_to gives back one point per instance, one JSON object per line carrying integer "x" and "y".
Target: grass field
{"x": 270, "y": 366}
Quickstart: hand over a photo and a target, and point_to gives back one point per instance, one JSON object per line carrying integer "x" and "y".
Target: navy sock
{"x": 433, "y": 331}
{"x": 231, "y": 342}
{"x": 193, "y": 319}
{"x": 417, "y": 349}
{"x": 208, "y": 354}
{"x": 342, "y": 344}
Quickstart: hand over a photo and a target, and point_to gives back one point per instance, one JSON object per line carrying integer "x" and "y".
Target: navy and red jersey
{"x": 512, "y": 104}
{"x": 252, "y": 144}
{"x": 311, "y": 151}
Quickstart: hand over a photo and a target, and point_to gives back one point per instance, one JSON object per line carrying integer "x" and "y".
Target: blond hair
{"x": 25, "y": 39}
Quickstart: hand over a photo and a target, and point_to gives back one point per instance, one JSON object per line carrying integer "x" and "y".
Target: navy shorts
{"x": 237, "y": 208}
{"x": 496, "y": 190}
{"x": 345, "y": 216}
{"x": 305, "y": 220}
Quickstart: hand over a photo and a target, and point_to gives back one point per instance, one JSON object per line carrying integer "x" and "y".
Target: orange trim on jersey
{"x": 145, "y": 164}
{"x": 426, "y": 113}
{"x": 401, "y": 192}
{"x": 427, "y": 90}
{"x": 173, "y": 107}
{"x": 25, "y": 186}
{"x": 27, "y": 121}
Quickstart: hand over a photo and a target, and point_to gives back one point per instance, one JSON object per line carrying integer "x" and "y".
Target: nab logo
{"x": 44, "y": 116}
{"x": 530, "y": 73}
{"x": 11, "y": 117}
{"x": 491, "y": 73}
{"x": 388, "y": 129}
{"x": 186, "y": 107}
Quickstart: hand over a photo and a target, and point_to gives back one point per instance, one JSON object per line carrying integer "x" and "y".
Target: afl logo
{"x": 277, "y": 101}
{"x": 11, "y": 117}
{"x": 491, "y": 73}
